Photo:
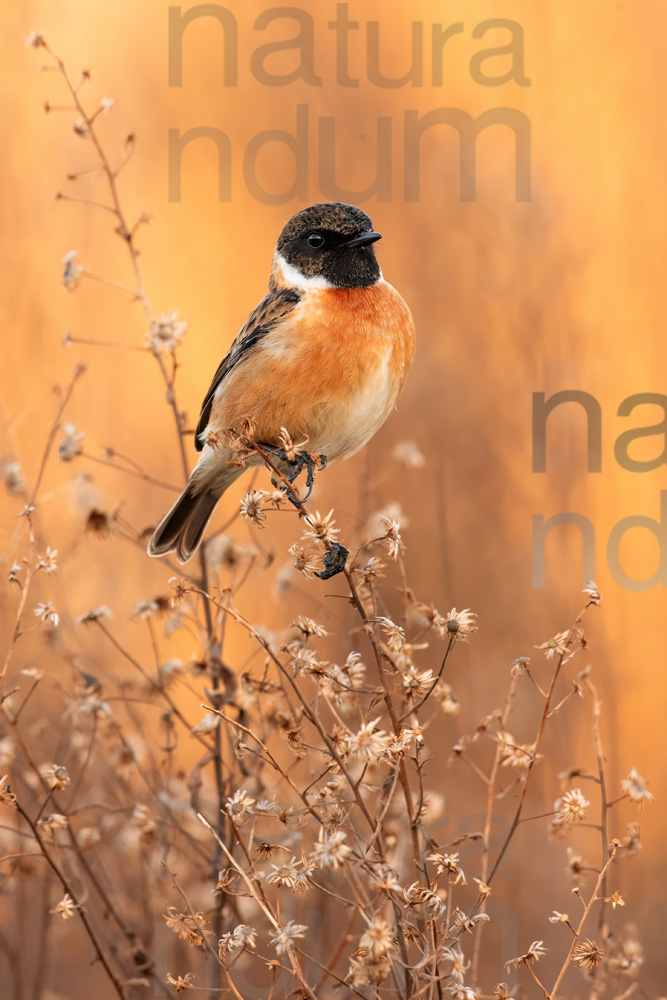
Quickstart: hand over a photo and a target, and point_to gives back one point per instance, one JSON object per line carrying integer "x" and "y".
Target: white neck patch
{"x": 294, "y": 278}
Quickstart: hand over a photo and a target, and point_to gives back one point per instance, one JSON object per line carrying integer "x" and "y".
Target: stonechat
{"x": 324, "y": 355}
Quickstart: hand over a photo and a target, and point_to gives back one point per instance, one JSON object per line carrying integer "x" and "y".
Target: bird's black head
{"x": 328, "y": 246}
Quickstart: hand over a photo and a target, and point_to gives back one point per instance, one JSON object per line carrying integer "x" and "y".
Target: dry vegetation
{"x": 282, "y": 839}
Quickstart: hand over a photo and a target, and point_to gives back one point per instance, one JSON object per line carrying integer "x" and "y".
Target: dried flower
{"x": 106, "y": 104}
{"x": 305, "y": 661}
{"x": 72, "y": 271}
{"x": 293, "y": 875}
{"x": 534, "y": 954}
{"x": 448, "y": 863}
{"x": 66, "y": 908}
{"x": 100, "y": 522}
{"x": 377, "y": 937}
{"x": 635, "y": 788}
{"x": 56, "y": 777}
{"x": 385, "y": 878}
{"x": 240, "y": 804}
{"x": 392, "y": 536}
{"x": 95, "y": 615}
{"x": 7, "y": 797}
{"x": 288, "y": 446}
{"x": 47, "y": 614}
{"x": 460, "y": 992}
{"x": 208, "y": 724}
{"x": 242, "y": 936}
{"x": 330, "y": 851}
{"x": 419, "y": 895}
{"x": 88, "y": 837}
{"x": 71, "y": 445}
{"x": 501, "y": 992}
{"x": 572, "y": 807}
{"x": 143, "y": 610}
{"x": 187, "y": 927}
{"x": 460, "y": 624}
{"x": 142, "y": 819}
{"x": 370, "y": 964}
{"x": 48, "y": 563}
{"x": 592, "y": 592}
{"x": 307, "y": 627}
{"x": 35, "y": 40}
{"x": 284, "y": 937}
{"x": 416, "y": 683}
{"x": 449, "y": 700}
{"x": 181, "y": 983}
{"x": 371, "y": 571}
{"x": 14, "y": 478}
{"x": 7, "y": 751}
{"x": 307, "y": 561}
{"x": 366, "y": 744}
{"x": 320, "y": 529}
{"x": 513, "y": 754}
{"x": 166, "y": 332}
{"x": 587, "y": 955}
{"x": 408, "y": 452}
{"x": 49, "y": 823}
{"x": 395, "y": 636}
{"x": 631, "y": 844}
{"x": 251, "y": 507}
{"x": 625, "y": 955}
{"x": 556, "y": 646}
{"x": 576, "y": 866}
{"x": 396, "y": 746}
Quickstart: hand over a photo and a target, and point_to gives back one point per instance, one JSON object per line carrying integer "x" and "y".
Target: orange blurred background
{"x": 561, "y": 292}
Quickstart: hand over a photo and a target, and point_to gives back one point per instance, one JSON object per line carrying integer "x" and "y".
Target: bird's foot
{"x": 334, "y": 561}
{"x": 295, "y": 466}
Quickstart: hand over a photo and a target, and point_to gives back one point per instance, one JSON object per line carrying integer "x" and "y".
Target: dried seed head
{"x": 635, "y": 788}
{"x": 587, "y": 954}
{"x": 572, "y": 807}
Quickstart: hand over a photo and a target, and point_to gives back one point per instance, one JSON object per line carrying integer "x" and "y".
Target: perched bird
{"x": 325, "y": 355}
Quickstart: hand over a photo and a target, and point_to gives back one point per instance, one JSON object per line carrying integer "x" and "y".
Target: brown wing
{"x": 262, "y": 319}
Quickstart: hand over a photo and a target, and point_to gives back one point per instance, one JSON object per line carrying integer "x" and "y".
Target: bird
{"x": 325, "y": 355}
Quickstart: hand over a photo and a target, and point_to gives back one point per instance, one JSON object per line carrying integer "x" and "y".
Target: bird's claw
{"x": 295, "y": 466}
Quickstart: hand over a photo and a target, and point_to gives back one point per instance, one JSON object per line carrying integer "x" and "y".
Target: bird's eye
{"x": 315, "y": 240}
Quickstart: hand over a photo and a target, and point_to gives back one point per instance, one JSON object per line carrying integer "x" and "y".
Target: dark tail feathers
{"x": 182, "y": 528}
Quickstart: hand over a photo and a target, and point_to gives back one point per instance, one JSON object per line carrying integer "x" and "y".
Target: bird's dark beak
{"x": 362, "y": 240}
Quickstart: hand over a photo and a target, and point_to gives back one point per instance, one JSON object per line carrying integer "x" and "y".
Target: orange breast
{"x": 331, "y": 371}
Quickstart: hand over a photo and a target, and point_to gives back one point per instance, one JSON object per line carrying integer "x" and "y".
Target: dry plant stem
{"x": 395, "y": 721}
{"x": 19, "y": 612}
{"x": 262, "y": 904}
{"x": 153, "y": 684}
{"x": 72, "y": 894}
{"x": 269, "y": 756}
{"x": 533, "y": 974}
{"x": 310, "y": 715}
{"x": 129, "y": 935}
{"x": 604, "y": 805}
{"x": 30, "y": 570}
{"x": 538, "y": 740}
{"x": 433, "y": 686}
{"x": 589, "y": 906}
{"x": 132, "y": 472}
{"x": 52, "y": 434}
{"x": 490, "y": 796}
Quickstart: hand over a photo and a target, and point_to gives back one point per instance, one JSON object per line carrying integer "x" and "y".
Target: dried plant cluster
{"x": 285, "y": 840}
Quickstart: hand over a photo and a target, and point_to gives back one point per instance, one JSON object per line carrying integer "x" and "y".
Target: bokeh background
{"x": 564, "y": 291}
